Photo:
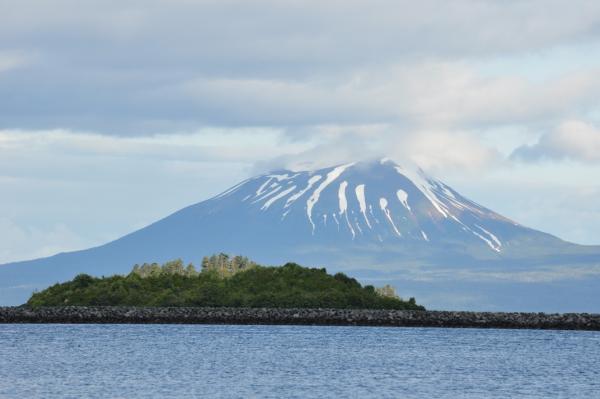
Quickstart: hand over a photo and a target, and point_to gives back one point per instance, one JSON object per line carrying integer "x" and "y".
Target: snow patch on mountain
{"x": 278, "y": 196}
{"x": 314, "y": 198}
{"x": 343, "y": 203}
{"x": 383, "y": 203}
{"x": 360, "y": 195}
{"x": 403, "y": 198}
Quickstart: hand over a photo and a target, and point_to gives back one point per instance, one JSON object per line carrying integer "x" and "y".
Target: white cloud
{"x": 456, "y": 94}
{"x": 575, "y": 140}
{"x": 443, "y": 150}
{"x": 437, "y": 151}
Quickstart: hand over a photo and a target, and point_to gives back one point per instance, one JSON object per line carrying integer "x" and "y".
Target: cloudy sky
{"x": 115, "y": 113}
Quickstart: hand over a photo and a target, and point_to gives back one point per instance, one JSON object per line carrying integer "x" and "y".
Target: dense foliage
{"x": 288, "y": 286}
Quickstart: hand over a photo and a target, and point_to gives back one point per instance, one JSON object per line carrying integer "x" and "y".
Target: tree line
{"x": 221, "y": 264}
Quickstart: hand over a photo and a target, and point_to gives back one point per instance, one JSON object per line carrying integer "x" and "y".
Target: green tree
{"x": 154, "y": 270}
{"x": 205, "y": 264}
{"x": 387, "y": 291}
{"x": 174, "y": 267}
{"x": 190, "y": 271}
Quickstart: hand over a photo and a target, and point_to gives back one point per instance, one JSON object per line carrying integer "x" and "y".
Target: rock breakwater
{"x": 340, "y": 317}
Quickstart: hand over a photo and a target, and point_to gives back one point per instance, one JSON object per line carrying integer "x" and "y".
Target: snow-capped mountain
{"x": 369, "y": 202}
{"x": 379, "y": 221}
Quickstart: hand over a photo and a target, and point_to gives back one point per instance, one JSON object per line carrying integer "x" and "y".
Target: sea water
{"x": 190, "y": 361}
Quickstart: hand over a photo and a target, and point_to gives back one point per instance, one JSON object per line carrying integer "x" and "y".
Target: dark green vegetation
{"x": 288, "y": 286}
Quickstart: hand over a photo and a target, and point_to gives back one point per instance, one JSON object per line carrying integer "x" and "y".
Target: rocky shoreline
{"x": 338, "y": 317}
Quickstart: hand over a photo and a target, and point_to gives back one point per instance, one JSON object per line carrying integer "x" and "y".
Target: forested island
{"x": 222, "y": 282}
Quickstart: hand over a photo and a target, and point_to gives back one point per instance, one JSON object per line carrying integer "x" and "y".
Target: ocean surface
{"x": 190, "y": 361}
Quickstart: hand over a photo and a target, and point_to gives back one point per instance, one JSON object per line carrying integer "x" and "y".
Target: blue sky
{"x": 114, "y": 114}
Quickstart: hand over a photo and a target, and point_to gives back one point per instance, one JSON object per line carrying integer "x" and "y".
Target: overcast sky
{"x": 115, "y": 113}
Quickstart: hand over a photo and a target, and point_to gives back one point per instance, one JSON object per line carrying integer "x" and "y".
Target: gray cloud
{"x": 163, "y": 66}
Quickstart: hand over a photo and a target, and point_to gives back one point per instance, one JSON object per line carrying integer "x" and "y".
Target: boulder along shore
{"x": 334, "y": 317}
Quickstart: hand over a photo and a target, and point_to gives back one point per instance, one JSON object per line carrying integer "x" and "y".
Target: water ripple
{"x": 188, "y": 361}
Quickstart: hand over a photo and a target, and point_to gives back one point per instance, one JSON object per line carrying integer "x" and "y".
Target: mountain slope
{"x": 377, "y": 220}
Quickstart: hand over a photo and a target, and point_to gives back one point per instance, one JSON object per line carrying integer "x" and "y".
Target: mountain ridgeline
{"x": 222, "y": 283}
{"x": 378, "y": 221}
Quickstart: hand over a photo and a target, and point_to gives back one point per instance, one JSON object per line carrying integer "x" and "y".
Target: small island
{"x": 235, "y": 290}
{"x": 223, "y": 281}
